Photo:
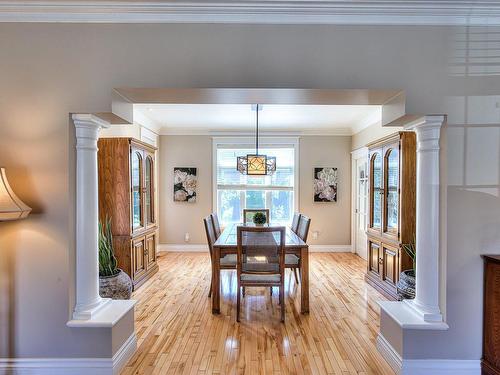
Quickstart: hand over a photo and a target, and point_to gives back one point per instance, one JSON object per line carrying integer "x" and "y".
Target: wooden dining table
{"x": 227, "y": 244}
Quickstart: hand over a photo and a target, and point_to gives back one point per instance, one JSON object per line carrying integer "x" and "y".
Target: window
{"x": 235, "y": 191}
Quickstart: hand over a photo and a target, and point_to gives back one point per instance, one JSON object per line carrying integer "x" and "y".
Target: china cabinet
{"x": 490, "y": 363}
{"x": 391, "y": 215}
{"x": 127, "y": 196}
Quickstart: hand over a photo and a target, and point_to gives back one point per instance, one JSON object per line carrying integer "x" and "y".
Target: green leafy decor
{"x": 410, "y": 249}
{"x": 259, "y": 218}
{"x": 107, "y": 259}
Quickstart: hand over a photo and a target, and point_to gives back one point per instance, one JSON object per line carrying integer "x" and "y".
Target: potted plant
{"x": 406, "y": 283}
{"x": 113, "y": 282}
{"x": 259, "y": 218}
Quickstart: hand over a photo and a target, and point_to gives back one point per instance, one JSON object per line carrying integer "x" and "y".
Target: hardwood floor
{"x": 177, "y": 333}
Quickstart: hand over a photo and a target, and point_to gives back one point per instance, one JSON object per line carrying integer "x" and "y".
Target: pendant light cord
{"x": 257, "y": 132}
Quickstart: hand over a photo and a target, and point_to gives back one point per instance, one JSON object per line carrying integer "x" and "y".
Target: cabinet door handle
{"x": 380, "y": 261}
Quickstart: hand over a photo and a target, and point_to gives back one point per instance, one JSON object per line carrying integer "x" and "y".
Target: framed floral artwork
{"x": 184, "y": 184}
{"x": 325, "y": 184}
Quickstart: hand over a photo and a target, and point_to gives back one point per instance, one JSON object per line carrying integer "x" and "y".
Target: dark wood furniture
{"x": 391, "y": 217}
{"x": 261, "y": 261}
{"x": 292, "y": 261}
{"x": 249, "y": 212}
{"x": 303, "y": 227}
{"x": 227, "y": 244}
{"x": 490, "y": 364}
{"x": 127, "y": 196}
{"x": 226, "y": 263}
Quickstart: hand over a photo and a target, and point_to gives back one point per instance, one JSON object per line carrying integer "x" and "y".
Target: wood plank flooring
{"x": 177, "y": 334}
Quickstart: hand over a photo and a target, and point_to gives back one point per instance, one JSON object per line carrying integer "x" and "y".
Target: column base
{"x": 426, "y": 313}
{"x": 89, "y": 311}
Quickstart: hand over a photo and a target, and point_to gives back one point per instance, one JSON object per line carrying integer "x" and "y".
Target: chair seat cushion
{"x": 291, "y": 259}
{"x": 228, "y": 260}
{"x": 272, "y": 278}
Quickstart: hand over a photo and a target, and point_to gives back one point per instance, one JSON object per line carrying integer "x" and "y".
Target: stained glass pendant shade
{"x": 256, "y": 164}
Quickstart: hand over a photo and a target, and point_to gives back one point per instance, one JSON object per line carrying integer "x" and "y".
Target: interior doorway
{"x": 360, "y": 201}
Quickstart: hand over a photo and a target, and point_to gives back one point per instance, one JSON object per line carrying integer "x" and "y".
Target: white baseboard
{"x": 330, "y": 248}
{"x": 182, "y": 248}
{"x": 202, "y": 248}
{"x": 426, "y": 366}
{"x": 71, "y": 366}
{"x": 441, "y": 367}
{"x": 123, "y": 354}
{"x": 390, "y": 355}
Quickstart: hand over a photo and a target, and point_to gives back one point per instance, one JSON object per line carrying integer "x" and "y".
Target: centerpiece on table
{"x": 259, "y": 218}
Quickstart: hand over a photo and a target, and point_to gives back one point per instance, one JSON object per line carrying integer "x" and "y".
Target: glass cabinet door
{"x": 148, "y": 181}
{"x": 376, "y": 191}
{"x": 136, "y": 173}
{"x": 391, "y": 208}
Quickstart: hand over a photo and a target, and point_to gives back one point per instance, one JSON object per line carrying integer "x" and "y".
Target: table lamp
{"x": 11, "y": 207}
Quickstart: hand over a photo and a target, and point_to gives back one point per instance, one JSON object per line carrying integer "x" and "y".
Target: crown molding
{"x": 354, "y": 12}
{"x": 243, "y": 133}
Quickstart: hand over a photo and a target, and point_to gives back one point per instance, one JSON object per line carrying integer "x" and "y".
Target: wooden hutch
{"x": 391, "y": 215}
{"x": 490, "y": 364}
{"x": 127, "y": 196}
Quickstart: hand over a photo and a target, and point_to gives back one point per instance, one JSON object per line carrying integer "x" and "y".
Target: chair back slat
{"x": 303, "y": 228}
{"x": 209, "y": 230}
{"x": 295, "y": 222}
{"x": 248, "y": 214}
{"x": 261, "y": 250}
{"x": 215, "y": 222}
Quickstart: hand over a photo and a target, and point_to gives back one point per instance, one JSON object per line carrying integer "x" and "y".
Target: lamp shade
{"x": 11, "y": 207}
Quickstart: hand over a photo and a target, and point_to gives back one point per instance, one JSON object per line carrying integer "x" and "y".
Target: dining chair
{"x": 261, "y": 261}
{"x": 295, "y": 222}
{"x": 248, "y": 214}
{"x": 292, "y": 261}
{"x": 227, "y": 262}
{"x": 215, "y": 221}
{"x": 303, "y": 229}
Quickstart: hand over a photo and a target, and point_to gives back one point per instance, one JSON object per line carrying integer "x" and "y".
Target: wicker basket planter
{"x": 406, "y": 285}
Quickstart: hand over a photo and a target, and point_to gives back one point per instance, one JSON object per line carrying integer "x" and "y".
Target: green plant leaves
{"x": 107, "y": 259}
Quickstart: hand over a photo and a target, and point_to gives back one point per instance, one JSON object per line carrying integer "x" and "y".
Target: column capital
{"x": 87, "y": 128}
{"x": 428, "y": 131}
{"x": 427, "y": 122}
{"x": 88, "y": 120}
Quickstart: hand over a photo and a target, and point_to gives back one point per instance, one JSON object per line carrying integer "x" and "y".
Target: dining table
{"x": 227, "y": 244}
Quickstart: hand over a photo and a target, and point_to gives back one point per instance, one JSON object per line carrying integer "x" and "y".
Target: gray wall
{"x": 47, "y": 71}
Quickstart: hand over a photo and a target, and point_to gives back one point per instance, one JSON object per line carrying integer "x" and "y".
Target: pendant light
{"x": 256, "y": 164}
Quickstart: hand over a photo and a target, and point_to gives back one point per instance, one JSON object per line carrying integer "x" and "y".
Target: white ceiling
{"x": 351, "y": 12}
{"x": 210, "y": 118}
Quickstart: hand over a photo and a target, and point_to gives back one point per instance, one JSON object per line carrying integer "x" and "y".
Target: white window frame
{"x": 249, "y": 142}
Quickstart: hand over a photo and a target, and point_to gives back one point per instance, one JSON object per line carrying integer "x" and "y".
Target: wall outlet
{"x": 186, "y": 237}
{"x": 315, "y": 234}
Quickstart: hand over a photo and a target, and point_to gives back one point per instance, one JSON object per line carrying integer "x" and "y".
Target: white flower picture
{"x": 185, "y": 185}
{"x": 325, "y": 184}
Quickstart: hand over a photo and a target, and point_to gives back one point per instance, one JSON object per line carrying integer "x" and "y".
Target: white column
{"x": 426, "y": 302}
{"x": 88, "y": 301}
